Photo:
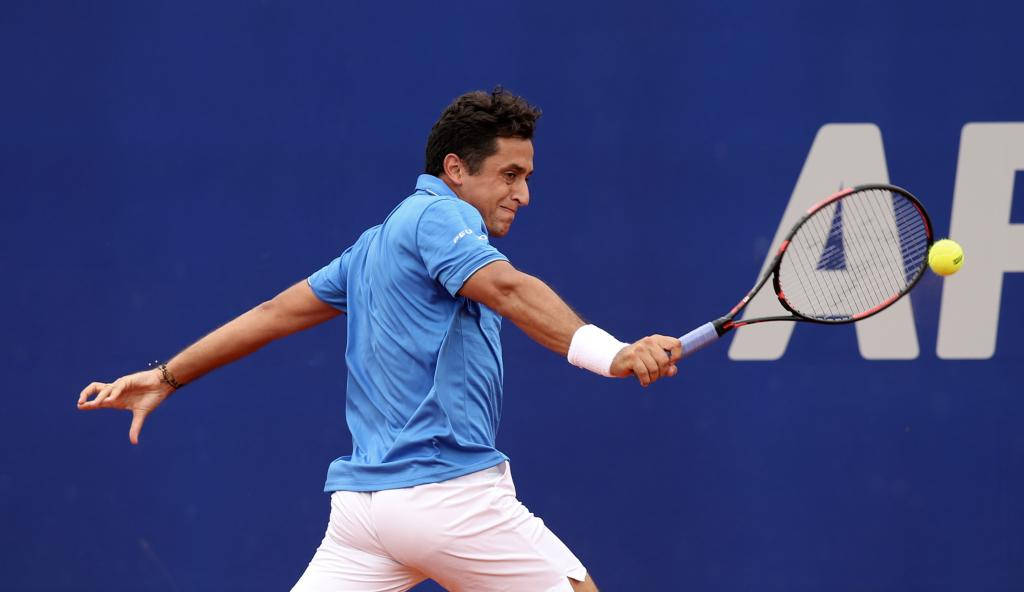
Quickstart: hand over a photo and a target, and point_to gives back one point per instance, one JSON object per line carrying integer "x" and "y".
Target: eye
{"x": 510, "y": 176}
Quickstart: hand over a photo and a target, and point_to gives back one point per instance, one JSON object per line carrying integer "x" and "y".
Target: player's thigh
{"x": 350, "y": 557}
{"x": 471, "y": 533}
{"x": 586, "y": 585}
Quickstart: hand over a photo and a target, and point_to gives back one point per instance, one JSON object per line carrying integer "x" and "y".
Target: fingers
{"x": 655, "y": 357}
{"x": 641, "y": 370}
{"x": 89, "y": 390}
{"x": 106, "y": 394}
{"x": 127, "y": 392}
{"x": 672, "y": 346}
{"x": 138, "y": 418}
{"x": 103, "y": 399}
{"x": 648, "y": 363}
{"x": 655, "y": 362}
{"x": 116, "y": 391}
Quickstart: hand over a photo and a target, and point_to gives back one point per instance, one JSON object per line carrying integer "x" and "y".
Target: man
{"x": 425, "y": 494}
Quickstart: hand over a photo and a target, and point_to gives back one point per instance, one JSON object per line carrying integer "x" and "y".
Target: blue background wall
{"x": 165, "y": 166}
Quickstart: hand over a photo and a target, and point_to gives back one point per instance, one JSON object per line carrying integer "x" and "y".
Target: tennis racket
{"x": 851, "y": 256}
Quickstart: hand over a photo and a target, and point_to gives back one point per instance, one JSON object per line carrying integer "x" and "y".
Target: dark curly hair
{"x": 470, "y": 125}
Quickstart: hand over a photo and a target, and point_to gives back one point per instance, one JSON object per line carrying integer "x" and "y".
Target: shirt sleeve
{"x": 330, "y": 282}
{"x": 453, "y": 244}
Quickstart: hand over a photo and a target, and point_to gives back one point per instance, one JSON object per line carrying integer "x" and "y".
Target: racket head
{"x": 853, "y": 254}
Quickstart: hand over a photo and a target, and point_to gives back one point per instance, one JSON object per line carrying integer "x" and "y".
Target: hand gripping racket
{"x": 850, "y": 256}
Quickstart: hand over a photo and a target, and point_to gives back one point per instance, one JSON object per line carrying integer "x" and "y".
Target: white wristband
{"x": 594, "y": 349}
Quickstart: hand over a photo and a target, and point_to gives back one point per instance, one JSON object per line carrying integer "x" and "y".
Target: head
{"x": 482, "y": 147}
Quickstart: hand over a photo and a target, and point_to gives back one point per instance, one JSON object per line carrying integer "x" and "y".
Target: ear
{"x": 454, "y": 168}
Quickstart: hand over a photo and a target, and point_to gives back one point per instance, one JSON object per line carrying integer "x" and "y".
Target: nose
{"x": 522, "y": 194}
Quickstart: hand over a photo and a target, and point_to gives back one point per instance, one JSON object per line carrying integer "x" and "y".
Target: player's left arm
{"x": 536, "y": 309}
{"x": 294, "y": 309}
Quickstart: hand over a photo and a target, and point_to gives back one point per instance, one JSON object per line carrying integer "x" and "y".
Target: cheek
{"x": 498, "y": 195}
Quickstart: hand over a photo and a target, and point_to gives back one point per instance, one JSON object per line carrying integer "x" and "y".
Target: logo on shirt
{"x": 462, "y": 233}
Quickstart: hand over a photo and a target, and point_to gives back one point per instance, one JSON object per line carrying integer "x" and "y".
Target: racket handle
{"x": 699, "y": 338}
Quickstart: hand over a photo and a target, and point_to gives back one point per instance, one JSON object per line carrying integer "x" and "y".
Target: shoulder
{"x": 365, "y": 238}
{"x": 421, "y": 204}
{"x": 416, "y": 210}
{"x": 411, "y": 209}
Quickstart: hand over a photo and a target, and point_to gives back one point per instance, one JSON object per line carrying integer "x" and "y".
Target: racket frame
{"x": 724, "y": 324}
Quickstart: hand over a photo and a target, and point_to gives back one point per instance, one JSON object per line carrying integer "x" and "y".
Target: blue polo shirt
{"x": 423, "y": 398}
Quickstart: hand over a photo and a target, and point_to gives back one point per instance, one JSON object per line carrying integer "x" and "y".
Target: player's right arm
{"x": 453, "y": 246}
{"x": 292, "y": 310}
{"x": 536, "y": 309}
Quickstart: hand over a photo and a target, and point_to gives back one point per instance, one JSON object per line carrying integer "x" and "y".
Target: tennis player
{"x": 425, "y": 493}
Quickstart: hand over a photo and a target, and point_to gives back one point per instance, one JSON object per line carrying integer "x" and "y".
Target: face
{"x": 499, "y": 188}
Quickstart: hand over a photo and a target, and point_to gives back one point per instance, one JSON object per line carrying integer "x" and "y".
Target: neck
{"x": 455, "y": 188}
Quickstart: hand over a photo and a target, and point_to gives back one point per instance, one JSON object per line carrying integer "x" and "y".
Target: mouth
{"x": 508, "y": 209}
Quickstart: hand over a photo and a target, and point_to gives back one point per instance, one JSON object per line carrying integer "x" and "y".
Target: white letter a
{"x": 842, "y": 155}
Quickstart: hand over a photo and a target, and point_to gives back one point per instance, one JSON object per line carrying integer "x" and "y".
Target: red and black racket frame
{"x": 726, "y": 323}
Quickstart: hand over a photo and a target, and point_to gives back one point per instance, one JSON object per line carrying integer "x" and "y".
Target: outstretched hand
{"x": 649, "y": 359}
{"x": 140, "y": 393}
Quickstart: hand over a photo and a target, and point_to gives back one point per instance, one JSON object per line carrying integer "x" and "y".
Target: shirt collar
{"x": 434, "y": 186}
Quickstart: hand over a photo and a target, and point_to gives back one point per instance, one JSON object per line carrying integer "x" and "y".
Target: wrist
{"x": 159, "y": 384}
{"x": 594, "y": 349}
{"x": 166, "y": 376}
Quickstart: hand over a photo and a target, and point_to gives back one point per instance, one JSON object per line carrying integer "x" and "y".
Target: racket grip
{"x": 699, "y": 338}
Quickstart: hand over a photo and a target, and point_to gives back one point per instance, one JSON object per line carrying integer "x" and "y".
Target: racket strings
{"x": 886, "y": 234}
{"x": 854, "y": 255}
{"x": 825, "y": 293}
{"x": 862, "y": 242}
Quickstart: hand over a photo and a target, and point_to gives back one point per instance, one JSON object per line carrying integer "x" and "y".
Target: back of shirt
{"x": 424, "y": 364}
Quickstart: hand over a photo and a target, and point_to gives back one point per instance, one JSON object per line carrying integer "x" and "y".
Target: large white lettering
{"x": 990, "y": 154}
{"x": 842, "y": 155}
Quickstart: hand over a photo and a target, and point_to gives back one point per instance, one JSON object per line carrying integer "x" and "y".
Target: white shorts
{"x": 469, "y": 533}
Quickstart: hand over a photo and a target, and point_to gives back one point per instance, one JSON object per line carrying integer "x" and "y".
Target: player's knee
{"x": 586, "y": 585}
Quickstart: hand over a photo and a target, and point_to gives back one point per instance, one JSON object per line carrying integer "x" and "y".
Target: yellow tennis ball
{"x": 946, "y": 257}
